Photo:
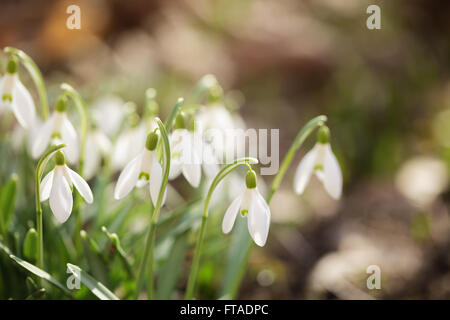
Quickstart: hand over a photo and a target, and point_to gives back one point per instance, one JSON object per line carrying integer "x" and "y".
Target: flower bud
{"x": 323, "y": 135}
{"x": 60, "y": 159}
{"x": 11, "y": 67}
{"x": 250, "y": 179}
{"x": 152, "y": 141}
{"x": 61, "y": 104}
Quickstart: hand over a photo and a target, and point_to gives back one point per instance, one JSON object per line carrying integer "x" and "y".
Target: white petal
{"x": 81, "y": 185}
{"x": 92, "y": 159}
{"x": 103, "y": 142}
{"x": 46, "y": 185}
{"x": 192, "y": 173}
{"x": 121, "y": 152}
{"x": 259, "y": 219}
{"x": 156, "y": 176}
{"x": 128, "y": 177}
{"x": 141, "y": 183}
{"x": 305, "y": 170}
{"x": 175, "y": 168}
{"x": 42, "y": 139}
{"x": 61, "y": 201}
{"x": 230, "y": 215}
{"x": 332, "y": 174}
{"x": 69, "y": 137}
{"x": 23, "y": 105}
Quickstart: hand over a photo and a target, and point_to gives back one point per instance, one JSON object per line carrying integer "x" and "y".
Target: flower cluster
{"x": 149, "y": 153}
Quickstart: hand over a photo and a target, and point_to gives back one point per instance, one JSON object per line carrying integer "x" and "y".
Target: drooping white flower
{"x": 15, "y": 96}
{"x": 115, "y": 109}
{"x": 185, "y": 152}
{"x": 251, "y": 204}
{"x": 57, "y": 186}
{"x": 224, "y": 131}
{"x": 321, "y": 161}
{"x": 142, "y": 170}
{"x": 57, "y": 129}
{"x": 129, "y": 144}
{"x": 98, "y": 145}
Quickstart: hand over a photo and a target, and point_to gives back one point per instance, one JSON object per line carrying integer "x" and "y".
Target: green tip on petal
{"x": 152, "y": 141}
{"x": 250, "y": 179}
{"x": 323, "y": 135}
{"x": 11, "y": 67}
{"x": 7, "y": 97}
{"x": 61, "y": 104}
{"x": 180, "y": 121}
{"x": 60, "y": 159}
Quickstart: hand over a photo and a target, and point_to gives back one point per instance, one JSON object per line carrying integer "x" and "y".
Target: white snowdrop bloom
{"x": 128, "y": 145}
{"x": 186, "y": 153}
{"x": 57, "y": 186}
{"x": 142, "y": 170}
{"x": 115, "y": 109}
{"x": 56, "y": 130}
{"x": 15, "y": 97}
{"x": 321, "y": 161}
{"x": 251, "y": 204}
{"x": 222, "y": 130}
{"x": 98, "y": 145}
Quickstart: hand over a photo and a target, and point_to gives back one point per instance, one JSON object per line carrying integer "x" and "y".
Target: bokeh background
{"x": 386, "y": 93}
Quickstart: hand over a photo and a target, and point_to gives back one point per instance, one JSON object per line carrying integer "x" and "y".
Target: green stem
{"x": 35, "y": 74}
{"x": 82, "y": 114}
{"x": 38, "y": 176}
{"x": 303, "y": 134}
{"x": 151, "y": 235}
{"x": 199, "y": 244}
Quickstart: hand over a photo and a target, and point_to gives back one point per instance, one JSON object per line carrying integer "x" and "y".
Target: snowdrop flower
{"x": 142, "y": 170}
{"x": 129, "y": 143}
{"x": 321, "y": 161}
{"x": 225, "y": 132}
{"x": 57, "y": 186}
{"x": 15, "y": 96}
{"x": 186, "y": 153}
{"x": 115, "y": 108}
{"x": 98, "y": 145}
{"x": 251, "y": 204}
{"x": 57, "y": 129}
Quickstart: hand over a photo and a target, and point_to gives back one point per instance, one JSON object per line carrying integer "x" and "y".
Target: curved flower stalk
{"x": 38, "y": 176}
{"x": 57, "y": 187}
{"x": 56, "y": 130}
{"x": 15, "y": 96}
{"x": 323, "y": 163}
{"x": 35, "y": 74}
{"x": 231, "y": 288}
{"x": 142, "y": 170}
{"x": 151, "y": 235}
{"x": 199, "y": 244}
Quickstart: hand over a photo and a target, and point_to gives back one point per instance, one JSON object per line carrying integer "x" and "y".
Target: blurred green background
{"x": 386, "y": 93}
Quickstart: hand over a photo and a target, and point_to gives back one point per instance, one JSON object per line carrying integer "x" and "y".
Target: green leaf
{"x": 96, "y": 287}
{"x": 34, "y": 270}
{"x": 7, "y": 203}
